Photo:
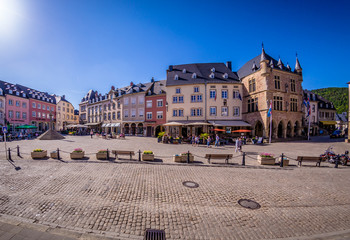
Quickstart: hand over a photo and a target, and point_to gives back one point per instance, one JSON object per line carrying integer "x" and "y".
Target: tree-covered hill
{"x": 338, "y": 96}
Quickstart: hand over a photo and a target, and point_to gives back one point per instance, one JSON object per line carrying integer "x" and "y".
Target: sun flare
{"x": 10, "y": 16}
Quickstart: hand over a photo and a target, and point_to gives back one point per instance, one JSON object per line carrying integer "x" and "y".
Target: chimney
{"x": 131, "y": 83}
{"x": 64, "y": 96}
{"x": 229, "y": 65}
{"x": 170, "y": 68}
{"x": 152, "y": 80}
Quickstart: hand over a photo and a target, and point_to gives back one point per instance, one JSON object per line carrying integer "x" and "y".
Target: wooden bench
{"x": 218, "y": 156}
{"x": 119, "y": 152}
{"x": 318, "y": 160}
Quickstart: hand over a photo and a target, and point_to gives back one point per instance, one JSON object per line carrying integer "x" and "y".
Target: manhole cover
{"x": 249, "y": 204}
{"x": 154, "y": 234}
{"x": 190, "y": 184}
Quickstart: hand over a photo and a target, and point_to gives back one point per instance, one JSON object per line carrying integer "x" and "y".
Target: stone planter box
{"x": 147, "y": 157}
{"x": 77, "y": 155}
{"x": 39, "y": 155}
{"x": 285, "y": 161}
{"x": 54, "y": 155}
{"x": 184, "y": 158}
{"x": 177, "y": 158}
{"x": 266, "y": 160}
{"x": 101, "y": 156}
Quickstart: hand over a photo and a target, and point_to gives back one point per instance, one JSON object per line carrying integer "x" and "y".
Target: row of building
{"x": 207, "y": 97}
{"x": 21, "y": 105}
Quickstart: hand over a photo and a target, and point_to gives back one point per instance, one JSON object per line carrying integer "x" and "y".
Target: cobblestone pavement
{"x": 122, "y": 199}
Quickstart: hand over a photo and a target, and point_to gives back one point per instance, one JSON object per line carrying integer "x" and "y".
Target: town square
{"x": 163, "y": 120}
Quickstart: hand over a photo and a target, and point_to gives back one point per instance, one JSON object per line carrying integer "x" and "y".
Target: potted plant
{"x": 266, "y": 159}
{"x": 184, "y": 157}
{"x": 147, "y": 156}
{"x": 78, "y": 153}
{"x": 38, "y": 153}
{"x": 160, "y": 136}
{"x": 177, "y": 158}
{"x": 54, "y": 154}
{"x": 102, "y": 155}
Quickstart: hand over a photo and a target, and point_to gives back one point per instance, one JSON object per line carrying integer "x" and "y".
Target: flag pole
{"x": 308, "y": 130}
{"x": 270, "y": 122}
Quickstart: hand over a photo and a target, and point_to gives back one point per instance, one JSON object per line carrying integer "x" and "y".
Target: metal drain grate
{"x": 247, "y": 203}
{"x": 190, "y": 184}
{"x": 153, "y": 234}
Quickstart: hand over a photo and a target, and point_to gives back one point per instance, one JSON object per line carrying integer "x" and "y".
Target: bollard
{"x": 188, "y": 157}
{"x": 243, "y": 159}
{"x": 336, "y": 162}
{"x": 139, "y": 155}
{"x": 58, "y": 154}
{"x": 281, "y": 163}
{"x": 18, "y": 154}
{"x": 107, "y": 154}
{"x": 9, "y": 154}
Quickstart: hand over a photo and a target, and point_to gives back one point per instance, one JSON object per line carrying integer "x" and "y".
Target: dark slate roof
{"x": 321, "y": 101}
{"x": 246, "y": 69}
{"x": 42, "y": 95}
{"x": 202, "y": 70}
{"x": 135, "y": 88}
{"x": 90, "y": 95}
{"x": 157, "y": 88}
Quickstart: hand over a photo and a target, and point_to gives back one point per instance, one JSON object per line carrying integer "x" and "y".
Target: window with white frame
{"x": 212, "y": 94}
{"x": 39, "y": 114}
{"x": 141, "y": 99}
{"x": 24, "y": 105}
{"x": 33, "y": 114}
{"x": 160, "y": 115}
{"x": 24, "y": 115}
{"x": 196, "y": 89}
{"x": 181, "y": 112}
{"x": 141, "y": 112}
{"x": 10, "y": 114}
{"x": 18, "y": 115}
{"x": 39, "y": 106}
{"x": 133, "y": 100}
{"x": 175, "y": 99}
{"x": 224, "y": 111}
{"x": 160, "y": 103}
{"x": 33, "y": 105}
{"x": 126, "y": 113}
{"x": 196, "y": 112}
{"x": 149, "y": 115}
{"x": 44, "y": 107}
{"x": 149, "y": 103}
{"x": 18, "y": 103}
{"x": 10, "y": 102}
{"x": 224, "y": 94}
{"x": 133, "y": 112}
{"x": 178, "y": 90}
{"x": 199, "y": 98}
{"x": 212, "y": 111}
{"x": 181, "y": 99}
{"x": 175, "y": 113}
{"x": 44, "y": 115}
{"x": 236, "y": 111}
{"x": 235, "y": 94}
{"x": 126, "y": 101}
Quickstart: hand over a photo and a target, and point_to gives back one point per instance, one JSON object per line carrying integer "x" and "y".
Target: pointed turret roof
{"x": 297, "y": 64}
{"x": 272, "y": 65}
{"x": 263, "y": 55}
{"x": 288, "y": 67}
{"x": 254, "y": 67}
{"x": 280, "y": 64}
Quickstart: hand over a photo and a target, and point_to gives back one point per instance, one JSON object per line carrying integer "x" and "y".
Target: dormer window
{"x": 212, "y": 70}
{"x": 176, "y": 77}
{"x": 184, "y": 70}
{"x": 1, "y": 92}
{"x": 38, "y": 97}
{"x": 226, "y": 75}
{"x": 10, "y": 91}
{"x": 194, "y": 75}
{"x": 212, "y": 75}
{"x": 17, "y": 93}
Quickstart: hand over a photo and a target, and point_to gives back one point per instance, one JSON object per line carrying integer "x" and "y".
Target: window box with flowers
{"x": 102, "y": 155}
{"x": 266, "y": 159}
{"x": 147, "y": 156}
{"x": 285, "y": 161}
{"x": 177, "y": 158}
{"x": 39, "y": 154}
{"x": 78, "y": 153}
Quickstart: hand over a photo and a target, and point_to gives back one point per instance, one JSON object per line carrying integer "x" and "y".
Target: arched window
{"x": 176, "y": 77}
{"x": 194, "y": 75}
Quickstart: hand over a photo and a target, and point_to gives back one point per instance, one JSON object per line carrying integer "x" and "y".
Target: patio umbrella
{"x": 26, "y": 126}
{"x": 198, "y": 124}
{"x": 219, "y": 130}
{"x": 173, "y": 124}
{"x": 81, "y": 126}
{"x": 242, "y": 131}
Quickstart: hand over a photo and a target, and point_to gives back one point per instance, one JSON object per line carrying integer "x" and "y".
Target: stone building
{"x": 64, "y": 113}
{"x": 201, "y": 97}
{"x": 268, "y": 81}
{"x": 2, "y": 105}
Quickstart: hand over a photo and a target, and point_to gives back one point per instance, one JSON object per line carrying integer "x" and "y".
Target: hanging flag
{"x": 307, "y": 105}
{"x": 269, "y": 113}
{"x": 239, "y": 96}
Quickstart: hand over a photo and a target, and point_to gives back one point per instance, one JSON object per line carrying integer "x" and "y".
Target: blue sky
{"x": 71, "y": 46}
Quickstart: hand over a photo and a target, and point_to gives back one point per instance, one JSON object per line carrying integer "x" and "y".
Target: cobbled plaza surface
{"x": 122, "y": 198}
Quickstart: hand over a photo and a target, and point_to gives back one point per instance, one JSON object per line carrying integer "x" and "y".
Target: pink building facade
{"x": 40, "y": 113}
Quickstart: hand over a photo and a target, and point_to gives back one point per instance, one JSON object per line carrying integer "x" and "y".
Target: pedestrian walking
{"x": 217, "y": 139}
{"x": 236, "y": 145}
{"x": 240, "y": 144}
{"x": 91, "y": 133}
{"x": 208, "y": 141}
{"x": 196, "y": 139}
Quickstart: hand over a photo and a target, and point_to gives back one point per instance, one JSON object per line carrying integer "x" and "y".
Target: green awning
{"x": 26, "y": 127}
